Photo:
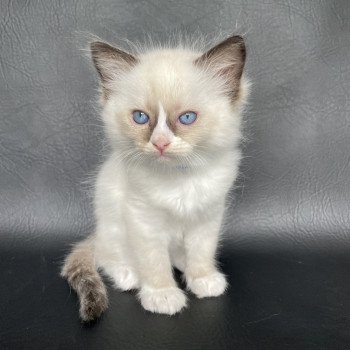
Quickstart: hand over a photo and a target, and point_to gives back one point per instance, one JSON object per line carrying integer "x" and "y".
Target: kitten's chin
{"x": 167, "y": 159}
{"x": 164, "y": 158}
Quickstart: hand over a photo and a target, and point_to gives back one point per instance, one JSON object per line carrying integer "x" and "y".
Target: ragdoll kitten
{"x": 172, "y": 117}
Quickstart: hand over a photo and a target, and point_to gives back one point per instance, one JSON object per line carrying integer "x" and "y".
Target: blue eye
{"x": 188, "y": 118}
{"x": 140, "y": 117}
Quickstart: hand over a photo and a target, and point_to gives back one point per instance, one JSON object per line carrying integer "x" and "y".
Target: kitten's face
{"x": 171, "y": 106}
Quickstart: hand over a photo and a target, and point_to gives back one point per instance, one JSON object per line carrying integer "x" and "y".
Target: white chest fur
{"x": 184, "y": 192}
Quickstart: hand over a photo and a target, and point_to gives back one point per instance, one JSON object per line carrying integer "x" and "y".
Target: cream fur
{"x": 152, "y": 212}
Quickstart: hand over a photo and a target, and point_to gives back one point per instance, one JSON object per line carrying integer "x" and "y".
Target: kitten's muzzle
{"x": 161, "y": 144}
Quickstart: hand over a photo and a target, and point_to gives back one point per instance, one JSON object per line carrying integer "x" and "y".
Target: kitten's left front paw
{"x": 211, "y": 285}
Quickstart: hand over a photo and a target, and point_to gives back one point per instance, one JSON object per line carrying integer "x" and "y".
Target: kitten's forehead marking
{"x": 161, "y": 117}
{"x": 162, "y": 128}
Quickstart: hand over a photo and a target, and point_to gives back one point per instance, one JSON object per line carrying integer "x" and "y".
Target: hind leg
{"x": 178, "y": 257}
{"x": 124, "y": 277}
{"x": 113, "y": 261}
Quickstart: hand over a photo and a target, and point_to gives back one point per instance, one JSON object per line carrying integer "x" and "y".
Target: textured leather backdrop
{"x": 288, "y": 240}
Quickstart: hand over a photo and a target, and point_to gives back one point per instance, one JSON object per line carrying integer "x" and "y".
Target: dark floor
{"x": 275, "y": 301}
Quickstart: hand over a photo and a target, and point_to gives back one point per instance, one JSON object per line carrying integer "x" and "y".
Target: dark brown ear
{"x": 226, "y": 60}
{"x": 109, "y": 62}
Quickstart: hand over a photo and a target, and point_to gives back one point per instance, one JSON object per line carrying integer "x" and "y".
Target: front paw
{"x": 211, "y": 285}
{"x": 163, "y": 301}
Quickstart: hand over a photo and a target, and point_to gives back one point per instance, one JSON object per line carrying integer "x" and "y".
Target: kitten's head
{"x": 172, "y": 106}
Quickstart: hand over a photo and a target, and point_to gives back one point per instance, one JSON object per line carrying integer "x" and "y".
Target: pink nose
{"x": 161, "y": 144}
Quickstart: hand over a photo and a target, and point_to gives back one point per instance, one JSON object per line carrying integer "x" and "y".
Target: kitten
{"x": 172, "y": 117}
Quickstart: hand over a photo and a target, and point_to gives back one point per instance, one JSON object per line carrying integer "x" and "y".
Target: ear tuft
{"x": 110, "y": 61}
{"x": 226, "y": 60}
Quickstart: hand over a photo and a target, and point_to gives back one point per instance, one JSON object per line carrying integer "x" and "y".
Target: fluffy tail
{"x": 80, "y": 271}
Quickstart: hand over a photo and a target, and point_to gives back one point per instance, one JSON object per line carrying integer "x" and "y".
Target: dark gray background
{"x": 295, "y": 177}
{"x": 292, "y": 196}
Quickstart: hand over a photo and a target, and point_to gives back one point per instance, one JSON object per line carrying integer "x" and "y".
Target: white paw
{"x": 125, "y": 278}
{"x": 212, "y": 285}
{"x": 163, "y": 301}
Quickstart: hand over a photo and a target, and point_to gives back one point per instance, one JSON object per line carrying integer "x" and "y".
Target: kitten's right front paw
{"x": 163, "y": 301}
